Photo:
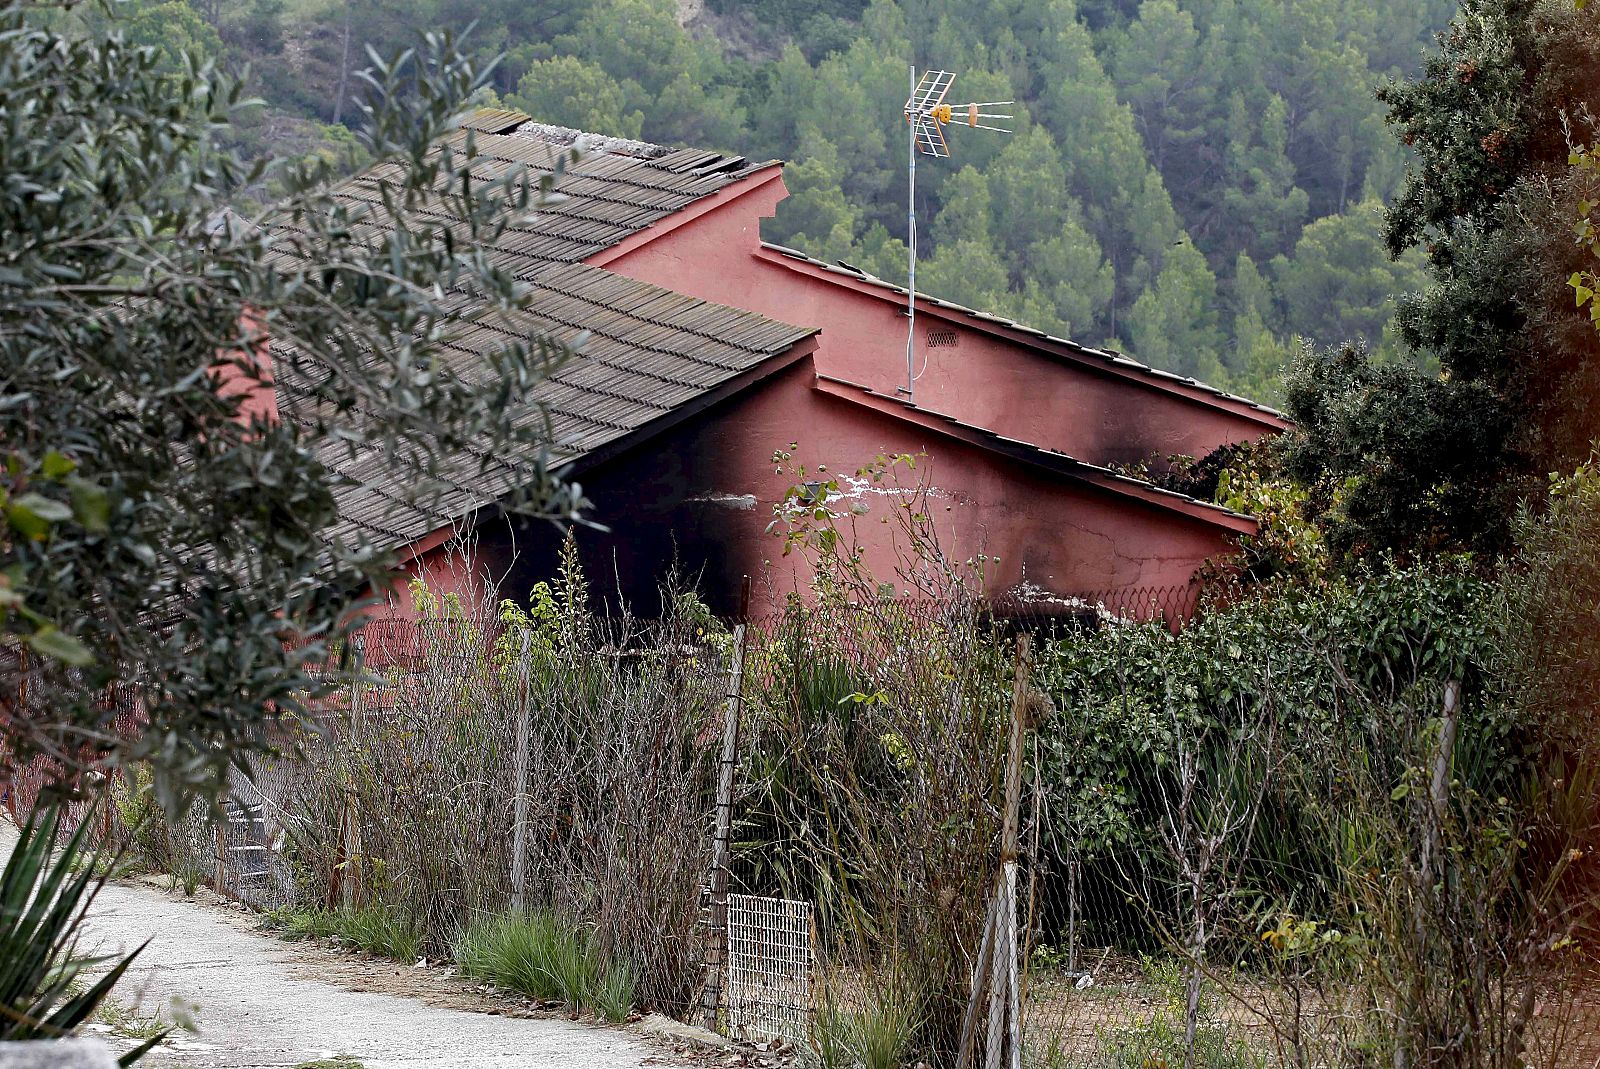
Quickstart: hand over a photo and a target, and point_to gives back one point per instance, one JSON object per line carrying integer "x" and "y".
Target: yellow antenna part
{"x": 972, "y": 115}
{"x": 941, "y": 113}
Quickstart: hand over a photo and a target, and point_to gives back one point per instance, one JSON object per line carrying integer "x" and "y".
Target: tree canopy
{"x": 158, "y": 533}
{"x": 1402, "y": 459}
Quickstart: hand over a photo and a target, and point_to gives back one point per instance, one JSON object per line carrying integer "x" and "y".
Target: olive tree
{"x": 158, "y": 534}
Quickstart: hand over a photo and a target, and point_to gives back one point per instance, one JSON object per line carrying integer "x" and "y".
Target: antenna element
{"x": 927, "y": 115}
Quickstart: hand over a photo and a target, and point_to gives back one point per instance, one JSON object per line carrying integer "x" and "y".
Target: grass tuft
{"x": 613, "y": 995}
{"x": 876, "y": 1032}
{"x": 542, "y": 955}
{"x": 375, "y": 930}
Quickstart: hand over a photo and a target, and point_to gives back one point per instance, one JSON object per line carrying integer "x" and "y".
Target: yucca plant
{"x": 43, "y": 898}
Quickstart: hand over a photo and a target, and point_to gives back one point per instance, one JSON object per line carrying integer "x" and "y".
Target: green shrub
{"x": 43, "y": 897}
{"x": 543, "y": 955}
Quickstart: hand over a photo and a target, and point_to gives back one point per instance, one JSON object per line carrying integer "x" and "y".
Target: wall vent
{"x": 943, "y": 339}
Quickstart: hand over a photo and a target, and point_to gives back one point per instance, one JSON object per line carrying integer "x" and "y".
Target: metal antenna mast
{"x": 926, "y": 116}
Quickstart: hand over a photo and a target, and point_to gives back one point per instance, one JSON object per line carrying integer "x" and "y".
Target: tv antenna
{"x": 927, "y": 115}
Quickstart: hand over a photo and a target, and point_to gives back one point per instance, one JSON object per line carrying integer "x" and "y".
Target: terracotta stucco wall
{"x": 983, "y": 378}
{"x": 701, "y": 497}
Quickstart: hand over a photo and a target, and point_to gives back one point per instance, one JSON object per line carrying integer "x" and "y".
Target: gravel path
{"x": 258, "y": 1007}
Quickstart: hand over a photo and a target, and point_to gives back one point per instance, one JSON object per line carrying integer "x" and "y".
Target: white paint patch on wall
{"x": 721, "y": 499}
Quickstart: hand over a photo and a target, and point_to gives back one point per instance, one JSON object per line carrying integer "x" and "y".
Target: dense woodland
{"x": 1197, "y": 182}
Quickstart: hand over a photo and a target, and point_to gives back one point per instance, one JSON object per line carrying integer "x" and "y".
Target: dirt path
{"x": 256, "y": 1005}
{"x": 258, "y": 1001}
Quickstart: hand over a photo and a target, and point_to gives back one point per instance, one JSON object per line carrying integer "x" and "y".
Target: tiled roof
{"x": 612, "y": 190}
{"x": 645, "y": 351}
{"x": 1110, "y": 357}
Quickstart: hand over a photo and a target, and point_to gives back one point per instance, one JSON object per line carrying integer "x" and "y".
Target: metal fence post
{"x": 718, "y": 935}
{"x": 519, "y": 809}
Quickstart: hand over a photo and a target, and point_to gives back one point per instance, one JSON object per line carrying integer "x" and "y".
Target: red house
{"x": 709, "y": 349}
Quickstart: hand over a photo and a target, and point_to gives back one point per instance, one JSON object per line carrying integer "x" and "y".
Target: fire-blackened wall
{"x": 699, "y": 500}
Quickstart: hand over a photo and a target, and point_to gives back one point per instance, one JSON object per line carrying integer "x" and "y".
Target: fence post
{"x": 995, "y": 978}
{"x": 519, "y": 808}
{"x": 1433, "y": 826}
{"x": 350, "y": 885}
{"x": 1439, "y": 781}
{"x": 718, "y": 941}
{"x": 221, "y": 882}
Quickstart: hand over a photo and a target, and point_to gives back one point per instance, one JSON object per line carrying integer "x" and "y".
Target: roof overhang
{"x": 461, "y": 525}
{"x": 764, "y": 176}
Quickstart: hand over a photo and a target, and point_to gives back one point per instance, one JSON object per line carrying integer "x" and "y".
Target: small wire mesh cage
{"x": 770, "y": 961}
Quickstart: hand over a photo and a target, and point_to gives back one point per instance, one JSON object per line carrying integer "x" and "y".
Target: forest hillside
{"x": 1196, "y": 182}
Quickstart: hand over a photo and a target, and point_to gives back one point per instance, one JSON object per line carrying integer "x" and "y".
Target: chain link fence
{"x": 928, "y": 844}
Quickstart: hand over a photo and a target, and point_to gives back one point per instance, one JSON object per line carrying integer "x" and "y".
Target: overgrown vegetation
{"x": 1335, "y": 788}
{"x": 374, "y": 930}
{"x": 610, "y": 717}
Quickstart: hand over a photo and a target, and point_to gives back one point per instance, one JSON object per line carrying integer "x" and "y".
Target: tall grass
{"x": 545, "y": 956}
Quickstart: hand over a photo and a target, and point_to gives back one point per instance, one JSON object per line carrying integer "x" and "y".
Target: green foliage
{"x": 1421, "y": 461}
{"x": 1586, "y": 281}
{"x": 612, "y": 994}
{"x": 1553, "y": 594}
{"x": 546, "y": 956}
{"x": 874, "y": 1028}
{"x": 50, "y": 500}
{"x": 567, "y": 91}
{"x": 1286, "y": 545}
{"x": 43, "y": 897}
{"x": 147, "y": 513}
{"x": 1394, "y": 458}
{"x": 1339, "y": 281}
{"x": 374, "y": 930}
{"x": 1159, "y": 1039}
{"x": 1125, "y": 691}
{"x": 1174, "y": 322}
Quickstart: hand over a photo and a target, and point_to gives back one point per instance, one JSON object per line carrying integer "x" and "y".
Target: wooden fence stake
{"x": 995, "y": 978}
{"x": 221, "y": 881}
{"x": 716, "y": 957}
{"x": 519, "y": 817}
{"x": 350, "y": 886}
